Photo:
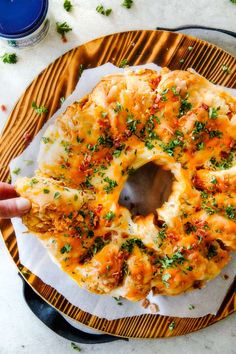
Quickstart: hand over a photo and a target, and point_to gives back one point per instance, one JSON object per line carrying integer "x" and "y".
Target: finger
{"x": 7, "y": 191}
{"x": 14, "y": 207}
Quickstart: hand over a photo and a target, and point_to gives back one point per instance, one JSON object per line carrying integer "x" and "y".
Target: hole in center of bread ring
{"x": 147, "y": 189}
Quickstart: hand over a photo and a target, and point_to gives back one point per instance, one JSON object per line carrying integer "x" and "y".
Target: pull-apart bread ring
{"x": 175, "y": 119}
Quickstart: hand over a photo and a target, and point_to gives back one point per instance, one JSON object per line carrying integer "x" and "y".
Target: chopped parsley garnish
{"x": 200, "y": 146}
{"x": 169, "y": 262}
{"x": 123, "y": 63}
{"x": 45, "y": 139}
{"x": 198, "y": 127}
{"x": 75, "y": 347}
{"x": 110, "y": 186}
{"x": 224, "y": 163}
{"x": 170, "y": 147}
{"x": 212, "y": 252}
{"x": 129, "y": 244}
{"x": 185, "y": 106}
{"x": 63, "y": 28}
{"x": 66, "y": 248}
{"x": 106, "y": 12}
{"x": 17, "y": 171}
{"x": 172, "y": 326}
{"x": 149, "y": 145}
{"x": 188, "y": 227}
{"x": 33, "y": 181}
{"x": 118, "y": 108}
{"x": 165, "y": 278}
{"x": 127, "y": 3}
{"x": 174, "y": 90}
{"x": 215, "y": 134}
{"x": 29, "y": 162}
{"x": 46, "y": 191}
{"x": 90, "y": 233}
{"x": 213, "y": 112}
{"x": 9, "y": 58}
{"x": 57, "y": 195}
{"x": 214, "y": 180}
{"x": 109, "y": 216}
{"x": 163, "y": 95}
{"x": 39, "y": 109}
{"x": 67, "y": 5}
{"x": 225, "y": 68}
{"x": 230, "y": 212}
{"x": 132, "y": 123}
{"x": 79, "y": 140}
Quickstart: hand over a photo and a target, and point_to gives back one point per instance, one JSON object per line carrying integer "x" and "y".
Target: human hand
{"x": 10, "y": 204}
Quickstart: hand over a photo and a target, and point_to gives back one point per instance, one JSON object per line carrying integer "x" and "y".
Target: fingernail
{"x": 22, "y": 204}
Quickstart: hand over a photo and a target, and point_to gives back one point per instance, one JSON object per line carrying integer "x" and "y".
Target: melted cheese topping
{"x": 176, "y": 119}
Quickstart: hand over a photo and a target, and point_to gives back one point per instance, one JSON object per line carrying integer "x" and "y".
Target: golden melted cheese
{"x": 176, "y": 119}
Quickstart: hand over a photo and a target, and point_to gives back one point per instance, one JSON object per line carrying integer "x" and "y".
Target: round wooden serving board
{"x": 177, "y": 51}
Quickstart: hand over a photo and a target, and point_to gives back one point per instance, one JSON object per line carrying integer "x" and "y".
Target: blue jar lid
{"x": 19, "y": 18}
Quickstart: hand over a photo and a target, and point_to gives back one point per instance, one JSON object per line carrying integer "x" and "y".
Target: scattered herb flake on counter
{"x": 3, "y": 108}
{"x": 101, "y": 10}
{"x": 67, "y": 5}
{"x": 45, "y": 139}
{"x": 28, "y": 162}
{"x": 127, "y": 3}
{"x": 190, "y": 48}
{"x": 63, "y": 28}
{"x": 226, "y": 69}
{"x": 81, "y": 69}
{"x": 39, "y": 109}
{"x": 9, "y": 58}
{"x": 181, "y": 61}
{"x": 172, "y": 326}
{"x": 17, "y": 171}
{"x": 191, "y": 307}
{"x": 62, "y": 100}
{"x": 75, "y": 347}
{"x": 66, "y": 248}
{"x": 123, "y": 63}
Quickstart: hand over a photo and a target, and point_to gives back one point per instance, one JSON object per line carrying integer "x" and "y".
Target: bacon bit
{"x": 197, "y": 182}
{"x": 27, "y": 136}
{"x": 108, "y": 235}
{"x": 153, "y": 308}
{"x": 124, "y": 235}
{"x": 104, "y": 123}
{"x": 230, "y": 115}
{"x": 3, "y": 108}
{"x": 108, "y": 157}
{"x": 155, "y": 82}
{"x": 117, "y": 142}
{"x": 85, "y": 164}
{"x": 99, "y": 208}
{"x": 205, "y": 106}
{"x": 173, "y": 236}
{"x": 145, "y": 303}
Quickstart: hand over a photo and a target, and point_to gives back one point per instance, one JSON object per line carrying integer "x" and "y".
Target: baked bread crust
{"x": 176, "y": 119}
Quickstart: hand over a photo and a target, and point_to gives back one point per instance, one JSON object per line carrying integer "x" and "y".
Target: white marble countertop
{"x": 21, "y": 331}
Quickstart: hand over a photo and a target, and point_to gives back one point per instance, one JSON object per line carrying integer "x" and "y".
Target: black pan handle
{"x": 53, "y": 320}
{"x": 181, "y": 28}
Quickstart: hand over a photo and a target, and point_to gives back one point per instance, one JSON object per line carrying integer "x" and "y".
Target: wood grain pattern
{"x": 59, "y": 80}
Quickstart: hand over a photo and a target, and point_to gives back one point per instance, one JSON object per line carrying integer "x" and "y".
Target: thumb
{"x": 14, "y": 207}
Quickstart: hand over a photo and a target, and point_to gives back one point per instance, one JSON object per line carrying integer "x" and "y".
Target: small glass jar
{"x": 23, "y": 23}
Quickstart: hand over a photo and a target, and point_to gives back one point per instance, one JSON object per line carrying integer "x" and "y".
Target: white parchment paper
{"x": 34, "y": 256}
